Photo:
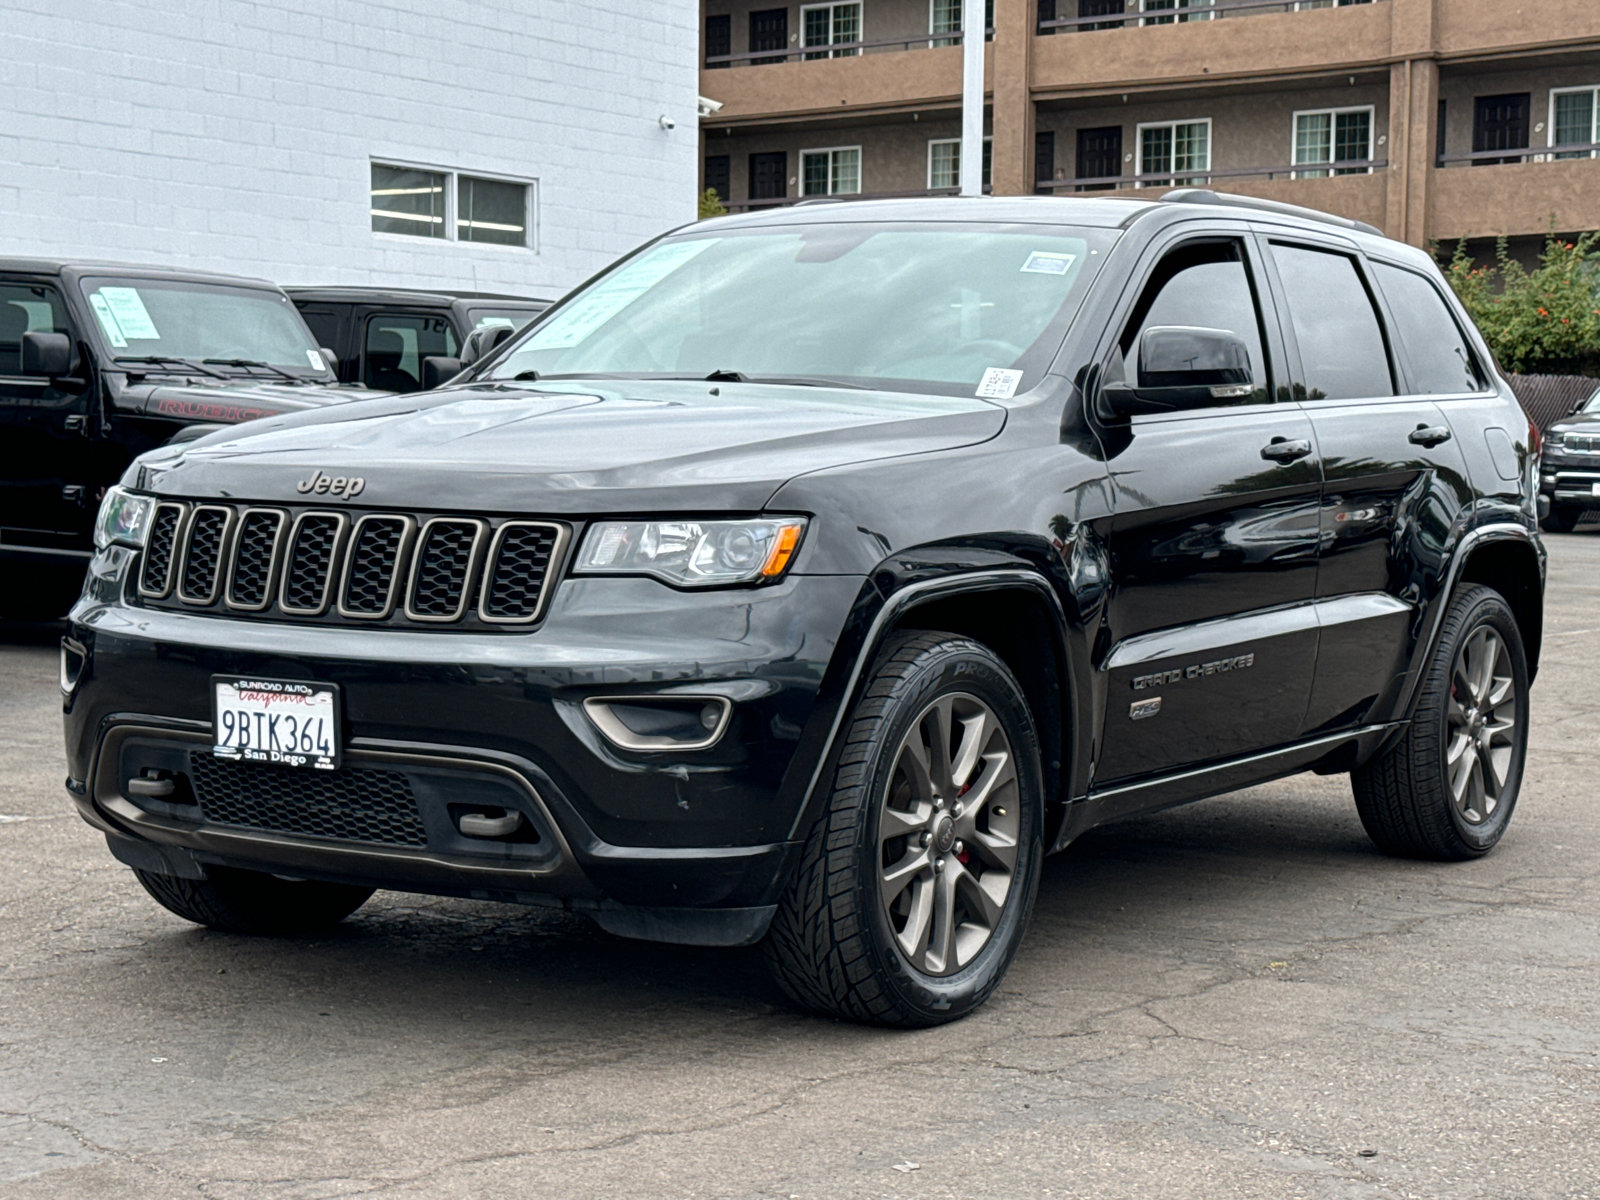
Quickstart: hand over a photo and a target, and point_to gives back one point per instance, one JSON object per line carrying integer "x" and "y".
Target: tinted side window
{"x": 397, "y": 345}
{"x": 1440, "y": 360}
{"x": 1342, "y": 351}
{"x": 1206, "y": 286}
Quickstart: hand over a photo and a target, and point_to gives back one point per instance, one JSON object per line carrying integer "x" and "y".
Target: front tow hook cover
{"x": 479, "y": 826}
{"x": 154, "y": 788}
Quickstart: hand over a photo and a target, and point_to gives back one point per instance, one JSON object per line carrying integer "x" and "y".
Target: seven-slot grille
{"x": 1584, "y": 443}
{"x": 315, "y": 564}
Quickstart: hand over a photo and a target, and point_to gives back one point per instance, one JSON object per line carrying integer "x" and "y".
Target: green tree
{"x": 1544, "y": 321}
{"x": 711, "y": 204}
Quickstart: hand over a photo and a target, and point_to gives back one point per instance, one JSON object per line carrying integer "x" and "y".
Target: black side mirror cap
{"x": 438, "y": 370}
{"x": 46, "y": 354}
{"x": 1181, "y": 367}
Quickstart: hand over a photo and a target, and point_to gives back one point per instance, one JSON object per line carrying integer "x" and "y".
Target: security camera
{"x": 667, "y": 123}
{"x": 708, "y": 106}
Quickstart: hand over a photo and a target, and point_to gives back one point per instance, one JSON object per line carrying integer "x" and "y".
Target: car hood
{"x": 554, "y": 448}
{"x": 228, "y": 403}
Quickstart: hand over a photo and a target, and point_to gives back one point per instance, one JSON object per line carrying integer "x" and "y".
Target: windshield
{"x": 1592, "y": 404}
{"x": 949, "y": 308}
{"x": 200, "y": 322}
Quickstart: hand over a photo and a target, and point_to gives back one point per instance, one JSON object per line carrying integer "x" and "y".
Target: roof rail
{"x": 1207, "y": 196}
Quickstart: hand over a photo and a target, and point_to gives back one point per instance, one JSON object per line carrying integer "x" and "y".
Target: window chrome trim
{"x": 557, "y": 554}
{"x": 474, "y": 565}
{"x": 334, "y": 558}
{"x": 222, "y": 554}
{"x": 408, "y": 530}
{"x": 172, "y": 561}
{"x": 272, "y": 563}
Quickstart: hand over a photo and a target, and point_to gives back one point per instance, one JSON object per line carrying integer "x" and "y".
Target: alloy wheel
{"x": 1481, "y": 726}
{"x": 948, "y": 834}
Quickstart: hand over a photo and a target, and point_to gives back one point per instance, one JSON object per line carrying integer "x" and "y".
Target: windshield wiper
{"x": 720, "y": 376}
{"x": 158, "y": 359}
{"x": 250, "y": 362}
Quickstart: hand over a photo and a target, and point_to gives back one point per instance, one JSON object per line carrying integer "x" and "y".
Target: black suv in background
{"x": 100, "y": 362}
{"x": 1569, "y": 468}
{"x": 381, "y": 336}
{"x": 809, "y": 575}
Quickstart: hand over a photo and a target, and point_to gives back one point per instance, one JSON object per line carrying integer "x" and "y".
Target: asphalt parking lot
{"x": 1238, "y": 998}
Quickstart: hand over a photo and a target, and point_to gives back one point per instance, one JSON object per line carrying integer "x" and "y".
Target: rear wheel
{"x": 254, "y": 902}
{"x": 1447, "y": 788}
{"x": 916, "y": 882}
{"x": 1562, "y": 518}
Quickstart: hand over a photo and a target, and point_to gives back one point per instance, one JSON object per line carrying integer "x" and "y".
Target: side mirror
{"x": 483, "y": 342}
{"x": 438, "y": 370}
{"x": 329, "y": 357}
{"x": 1181, "y": 367}
{"x": 47, "y": 354}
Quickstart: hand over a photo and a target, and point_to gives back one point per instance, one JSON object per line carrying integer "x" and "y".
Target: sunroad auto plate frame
{"x": 267, "y": 735}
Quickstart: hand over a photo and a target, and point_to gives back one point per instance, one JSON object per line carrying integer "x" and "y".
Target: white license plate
{"x": 1594, "y": 489}
{"x": 276, "y": 721}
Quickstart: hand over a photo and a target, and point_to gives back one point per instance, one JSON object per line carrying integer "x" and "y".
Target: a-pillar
{"x": 1010, "y": 75}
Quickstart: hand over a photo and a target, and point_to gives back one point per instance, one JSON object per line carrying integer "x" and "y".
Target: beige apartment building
{"x": 1431, "y": 119}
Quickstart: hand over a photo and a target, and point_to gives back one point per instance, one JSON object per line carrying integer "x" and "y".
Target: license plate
{"x": 276, "y": 721}
{"x": 1594, "y": 489}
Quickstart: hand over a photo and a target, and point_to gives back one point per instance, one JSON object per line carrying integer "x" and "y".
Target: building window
{"x": 829, "y": 25}
{"x": 432, "y": 203}
{"x": 1304, "y": 4}
{"x": 1175, "y": 10}
{"x": 944, "y": 162}
{"x": 944, "y": 16}
{"x": 1575, "y": 120}
{"x": 1333, "y": 135}
{"x": 719, "y": 39}
{"x": 410, "y": 201}
{"x": 1171, "y": 148}
{"x": 491, "y": 210}
{"x": 835, "y": 172}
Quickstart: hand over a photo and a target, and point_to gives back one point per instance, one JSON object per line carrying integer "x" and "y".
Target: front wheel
{"x": 1447, "y": 788}
{"x": 917, "y": 880}
{"x": 239, "y": 901}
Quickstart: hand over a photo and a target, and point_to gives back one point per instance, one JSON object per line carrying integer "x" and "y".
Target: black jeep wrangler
{"x": 100, "y": 362}
{"x": 383, "y": 336}
{"x": 810, "y": 575}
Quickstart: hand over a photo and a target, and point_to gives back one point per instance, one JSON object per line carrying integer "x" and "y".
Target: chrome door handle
{"x": 1428, "y": 435}
{"x": 1284, "y": 450}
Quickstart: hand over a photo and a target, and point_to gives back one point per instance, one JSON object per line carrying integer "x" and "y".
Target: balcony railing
{"x": 734, "y": 206}
{"x": 761, "y": 58}
{"x": 1132, "y": 16}
{"x": 1520, "y": 154}
{"x": 1190, "y": 177}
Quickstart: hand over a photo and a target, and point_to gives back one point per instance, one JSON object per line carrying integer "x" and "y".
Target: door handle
{"x": 1428, "y": 435}
{"x": 1284, "y": 450}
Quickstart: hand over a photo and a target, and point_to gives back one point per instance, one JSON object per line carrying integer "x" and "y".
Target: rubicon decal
{"x": 338, "y": 485}
{"x": 1239, "y": 662}
{"x": 205, "y": 410}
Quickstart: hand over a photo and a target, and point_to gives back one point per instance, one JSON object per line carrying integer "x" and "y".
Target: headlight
{"x": 1554, "y": 441}
{"x": 692, "y": 553}
{"x": 124, "y": 519}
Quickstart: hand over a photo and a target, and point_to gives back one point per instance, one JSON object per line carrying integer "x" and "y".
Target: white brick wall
{"x": 237, "y": 136}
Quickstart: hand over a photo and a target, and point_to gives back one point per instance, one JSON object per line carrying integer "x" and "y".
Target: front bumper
{"x": 687, "y": 845}
{"x": 1570, "y": 479}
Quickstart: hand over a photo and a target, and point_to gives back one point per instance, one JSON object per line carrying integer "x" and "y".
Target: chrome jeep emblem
{"x": 339, "y": 485}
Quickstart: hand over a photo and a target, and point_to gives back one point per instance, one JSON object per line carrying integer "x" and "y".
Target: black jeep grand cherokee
{"x": 811, "y": 574}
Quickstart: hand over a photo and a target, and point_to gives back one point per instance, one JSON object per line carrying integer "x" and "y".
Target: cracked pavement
{"x": 1239, "y": 998}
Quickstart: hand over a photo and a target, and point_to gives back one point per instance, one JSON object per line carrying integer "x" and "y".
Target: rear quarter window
{"x": 1439, "y": 358}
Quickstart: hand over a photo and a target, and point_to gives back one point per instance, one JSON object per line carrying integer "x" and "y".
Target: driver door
{"x": 46, "y": 454}
{"x": 1214, "y": 538}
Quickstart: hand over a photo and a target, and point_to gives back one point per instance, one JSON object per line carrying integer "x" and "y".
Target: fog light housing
{"x": 660, "y": 722}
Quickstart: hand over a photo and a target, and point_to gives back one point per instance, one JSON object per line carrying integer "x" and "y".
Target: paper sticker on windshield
{"x": 107, "y": 321}
{"x": 318, "y": 363}
{"x": 613, "y": 294}
{"x": 128, "y": 308}
{"x": 1041, "y": 263}
{"x": 998, "y": 383}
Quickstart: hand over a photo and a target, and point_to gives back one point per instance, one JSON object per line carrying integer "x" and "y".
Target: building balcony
{"x": 1491, "y": 194}
{"x": 792, "y": 86}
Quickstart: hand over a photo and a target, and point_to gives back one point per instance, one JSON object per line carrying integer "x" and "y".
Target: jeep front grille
{"x": 340, "y": 567}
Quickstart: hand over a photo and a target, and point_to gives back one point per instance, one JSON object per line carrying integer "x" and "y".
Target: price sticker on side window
{"x": 281, "y": 721}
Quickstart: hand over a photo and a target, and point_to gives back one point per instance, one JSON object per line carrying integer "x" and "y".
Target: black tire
{"x": 1562, "y": 518}
{"x": 240, "y": 901}
{"x": 1407, "y": 797}
{"x": 39, "y": 593}
{"x": 833, "y": 944}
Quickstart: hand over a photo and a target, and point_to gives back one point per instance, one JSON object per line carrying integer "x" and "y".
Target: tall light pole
{"x": 972, "y": 31}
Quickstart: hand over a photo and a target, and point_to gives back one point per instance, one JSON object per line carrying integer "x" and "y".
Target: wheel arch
{"x": 1510, "y": 566}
